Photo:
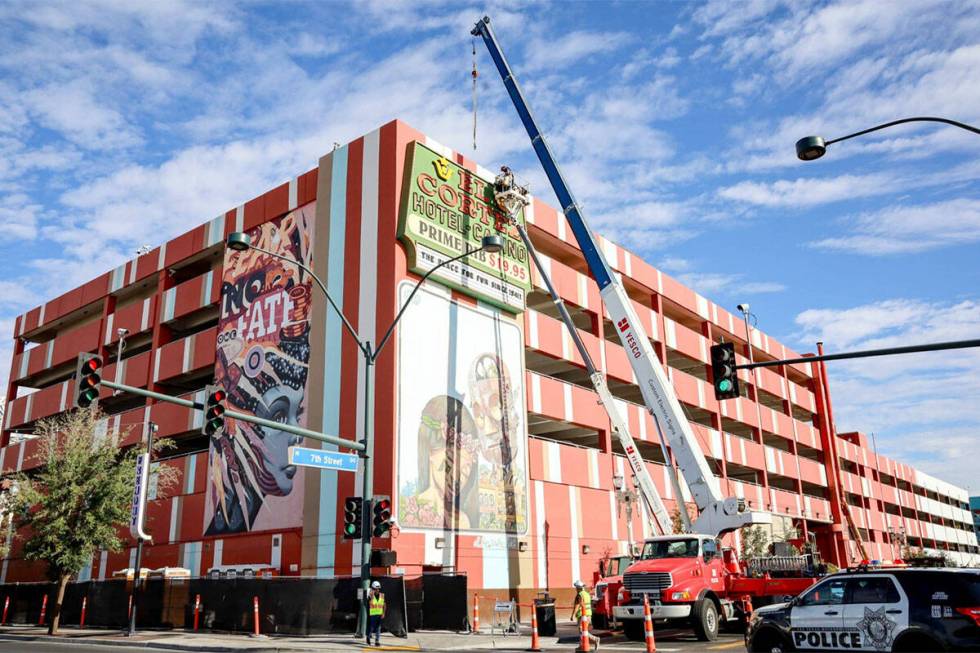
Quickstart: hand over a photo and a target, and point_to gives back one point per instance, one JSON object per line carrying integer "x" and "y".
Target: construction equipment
{"x": 688, "y": 576}
{"x": 718, "y": 514}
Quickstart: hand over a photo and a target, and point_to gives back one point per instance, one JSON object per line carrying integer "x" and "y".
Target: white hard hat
{"x": 375, "y": 585}
{"x": 579, "y": 584}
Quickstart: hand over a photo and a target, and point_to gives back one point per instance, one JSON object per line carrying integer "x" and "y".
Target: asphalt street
{"x": 667, "y": 644}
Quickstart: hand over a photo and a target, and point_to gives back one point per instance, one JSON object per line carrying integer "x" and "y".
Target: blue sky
{"x": 127, "y": 123}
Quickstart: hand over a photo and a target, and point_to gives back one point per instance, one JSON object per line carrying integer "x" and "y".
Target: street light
{"x": 814, "y": 147}
{"x": 240, "y": 242}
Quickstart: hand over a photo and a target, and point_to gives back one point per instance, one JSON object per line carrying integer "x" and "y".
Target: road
{"x": 668, "y": 643}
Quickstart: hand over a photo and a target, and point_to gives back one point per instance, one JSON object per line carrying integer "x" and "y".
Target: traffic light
{"x": 87, "y": 380}
{"x": 353, "y": 524}
{"x": 723, "y": 370}
{"x": 214, "y": 410}
{"x": 382, "y": 516}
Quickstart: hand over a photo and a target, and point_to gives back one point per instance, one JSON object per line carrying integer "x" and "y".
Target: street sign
{"x": 344, "y": 462}
{"x": 138, "y": 510}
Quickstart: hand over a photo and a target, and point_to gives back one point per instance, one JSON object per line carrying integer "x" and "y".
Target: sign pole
{"x": 139, "y": 510}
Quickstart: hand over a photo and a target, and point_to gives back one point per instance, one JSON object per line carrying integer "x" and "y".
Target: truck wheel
{"x": 633, "y": 629}
{"x": 706, "y": 620}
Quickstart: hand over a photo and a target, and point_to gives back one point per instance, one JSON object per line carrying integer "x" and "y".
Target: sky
{"x": 123, "y": 124}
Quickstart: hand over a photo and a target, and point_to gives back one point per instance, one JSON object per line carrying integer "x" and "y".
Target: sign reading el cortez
{"x": 446, "y": 210}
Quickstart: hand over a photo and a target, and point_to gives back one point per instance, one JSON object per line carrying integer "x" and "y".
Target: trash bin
{"x": 544, "y": 608}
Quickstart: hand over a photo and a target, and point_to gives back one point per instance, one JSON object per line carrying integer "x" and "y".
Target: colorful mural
{"x": 462, "y": 462}
{"x": 262, "y": 361}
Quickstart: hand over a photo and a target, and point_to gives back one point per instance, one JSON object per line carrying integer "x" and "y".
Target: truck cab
{"x": 684, "y": 578}
{"x": 607, "y": 586}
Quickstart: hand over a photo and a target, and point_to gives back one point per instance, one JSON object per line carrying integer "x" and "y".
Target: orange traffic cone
{"x": 648, "y": 626}
{"x": 535, "y": 644}
{"x": 583, "y": 635}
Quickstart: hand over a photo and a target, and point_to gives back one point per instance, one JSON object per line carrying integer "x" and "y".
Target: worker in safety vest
{"x": 376, "y": 613}
{"x": 583, "y": 606}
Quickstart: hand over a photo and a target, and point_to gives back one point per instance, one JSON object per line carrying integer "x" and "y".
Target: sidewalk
{"x": 216, "y": 642}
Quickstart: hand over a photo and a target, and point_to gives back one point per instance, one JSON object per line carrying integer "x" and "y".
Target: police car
{"x": 875, "y": 610}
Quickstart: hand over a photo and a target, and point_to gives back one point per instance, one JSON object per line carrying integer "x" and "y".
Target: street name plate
{"x": 322, "y": 459}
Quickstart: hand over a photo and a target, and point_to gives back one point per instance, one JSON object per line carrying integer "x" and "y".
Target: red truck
{"x": 607, "y": 584}
{"x": 691, "y": 581}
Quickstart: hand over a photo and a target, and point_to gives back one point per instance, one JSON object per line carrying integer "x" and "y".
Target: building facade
{"x": 489, "y": 438}
{"x": 975, "y": 509}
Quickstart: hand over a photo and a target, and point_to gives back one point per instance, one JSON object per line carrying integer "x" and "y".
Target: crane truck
{"x": 688, "y": 578}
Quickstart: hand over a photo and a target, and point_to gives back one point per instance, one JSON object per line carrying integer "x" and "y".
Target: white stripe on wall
{"x": 539, "y": 519}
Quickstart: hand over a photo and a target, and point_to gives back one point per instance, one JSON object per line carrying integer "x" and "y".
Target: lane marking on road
{"x": 391, "y": 648}
{"x": 729, "y": 645}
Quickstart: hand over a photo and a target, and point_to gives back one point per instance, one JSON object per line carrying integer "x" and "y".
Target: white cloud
{"x": 18, "y": 216}
{"x": 542, "y": 52}
{"x": 810, "y": 191}
{"x": 728, "y": 285}
{"x": 909, "y": 229}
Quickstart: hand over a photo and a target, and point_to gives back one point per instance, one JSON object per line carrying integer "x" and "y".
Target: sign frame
{"x": 323, "y": 459}
{"x": 446, "y": 210}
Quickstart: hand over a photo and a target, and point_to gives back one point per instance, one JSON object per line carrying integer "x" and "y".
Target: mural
{"x": 262, "y": 361}
{"x": 462, "y": 458}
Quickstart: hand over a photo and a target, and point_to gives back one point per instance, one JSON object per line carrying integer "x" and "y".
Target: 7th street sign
{"x": 343, "y": 462}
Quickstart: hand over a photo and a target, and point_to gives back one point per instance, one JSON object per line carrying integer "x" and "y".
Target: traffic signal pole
{"x": 252, "y": 419}
{"x": 866, "y": 353}
{"x": 367, "y": 484}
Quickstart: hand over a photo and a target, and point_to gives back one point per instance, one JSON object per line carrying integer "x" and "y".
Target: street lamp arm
{"x": 312, "y": 274}
{"x": 946, "y": 121}
{"x": 428, "y": 274}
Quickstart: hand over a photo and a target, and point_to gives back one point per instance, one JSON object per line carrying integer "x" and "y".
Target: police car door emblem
{"x": 877, "y": 628}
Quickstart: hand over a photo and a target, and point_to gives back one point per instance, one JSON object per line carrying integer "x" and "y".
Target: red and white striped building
{"x": 774, "y": 446}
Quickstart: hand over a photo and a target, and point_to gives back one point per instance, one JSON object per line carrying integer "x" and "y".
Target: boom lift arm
{"x": 718, "y": 514}
{"x": 511, "y": 199}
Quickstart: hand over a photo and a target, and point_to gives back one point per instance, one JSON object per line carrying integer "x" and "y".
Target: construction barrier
{"x": 583, "y": 635}
{"x": 476, "y": 613}
{"x": 255, "y": 609}
{"x": 535, "y": 643}
{"x": 290, "y": 605}
{"x": 6, "y": 607}
{"x": 197, "y": 610}
{"x": 44, "y": 608}
{"x": 651, "y": 644}
{"x": 81, "y": 621}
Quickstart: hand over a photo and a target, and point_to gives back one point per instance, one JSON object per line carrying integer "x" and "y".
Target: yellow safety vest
{"x": 584, "y": 603}
{"x": 376, "y": 605}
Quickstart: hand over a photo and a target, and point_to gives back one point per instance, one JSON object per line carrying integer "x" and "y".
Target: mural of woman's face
{"x": 279, "y": 404}
{"x": 450, "y": 468}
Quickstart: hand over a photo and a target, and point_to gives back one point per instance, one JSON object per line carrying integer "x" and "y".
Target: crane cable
{"x": 474, "y": 74}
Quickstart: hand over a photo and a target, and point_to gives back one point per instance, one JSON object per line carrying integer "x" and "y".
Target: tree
{"x": 80, "y": 494}
{"x": 755, "y": 542}
{"x": 675, "y": 518}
